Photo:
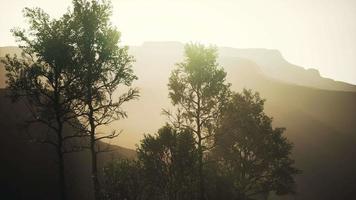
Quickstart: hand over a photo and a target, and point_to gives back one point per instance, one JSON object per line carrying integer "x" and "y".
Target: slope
{"x": 29, "y": 170}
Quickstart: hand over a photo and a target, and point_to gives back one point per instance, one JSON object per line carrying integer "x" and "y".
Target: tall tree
{"x": 102, "y": 66}
{"x": 44, "y": 79}
{"x": 199, "y": 89}
{"x": 253, "y": 155}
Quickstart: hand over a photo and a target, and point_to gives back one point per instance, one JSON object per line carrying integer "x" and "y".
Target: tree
{"x": 102, "y": 66}
{"x": 254, "y": 156}
{"x": 44, "y": 79}
{"x": 199, "y": 89}
{"x": 124, "y": 180}
{"x": 217, "y": 186}
{"x": 169, "y": 161}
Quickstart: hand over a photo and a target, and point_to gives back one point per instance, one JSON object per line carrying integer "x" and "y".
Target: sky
{"x": 318, "y": 34}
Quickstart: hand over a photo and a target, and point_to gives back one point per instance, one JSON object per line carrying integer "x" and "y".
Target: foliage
{"x": 249, "y": 152}
{"x": 44, "y": 76}
{"x": 73, "y": 67}
{"x": 102, "y": 66}
{"x": 165, "y": 168}
{"x": 169, "y": 160}
{"x": 197, "y": 87}
{"x": 217, "y": 186}
{"x": 45, "y": 80}
{"x": 123, "y": 180}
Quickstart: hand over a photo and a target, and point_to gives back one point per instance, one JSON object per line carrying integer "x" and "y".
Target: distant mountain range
{"x": 319, "y": 113}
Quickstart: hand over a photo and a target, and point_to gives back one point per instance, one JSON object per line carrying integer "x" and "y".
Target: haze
{"x": 310, "y": 33}
{"x": 276, "y": 49}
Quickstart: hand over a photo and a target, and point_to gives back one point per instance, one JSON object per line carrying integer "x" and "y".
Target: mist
{"x": 177, "y": 100}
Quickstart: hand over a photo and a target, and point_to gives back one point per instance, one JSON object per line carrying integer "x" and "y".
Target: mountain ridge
{"x": 271, "y": 62}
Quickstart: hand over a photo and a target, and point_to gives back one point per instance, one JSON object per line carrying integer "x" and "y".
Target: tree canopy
{"x": 250, "y": 152}
{"x": 170, "y": 162}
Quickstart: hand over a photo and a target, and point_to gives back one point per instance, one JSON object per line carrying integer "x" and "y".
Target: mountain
{"x": 319, "y": 113}
{"x": 273, "y": 65}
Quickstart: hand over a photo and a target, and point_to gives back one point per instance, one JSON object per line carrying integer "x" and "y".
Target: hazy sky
{"x": 317, "y": 34}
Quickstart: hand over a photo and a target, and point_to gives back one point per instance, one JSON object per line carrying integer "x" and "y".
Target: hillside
{"x": 28, "y": 170}
{"x": 319, "y": 113}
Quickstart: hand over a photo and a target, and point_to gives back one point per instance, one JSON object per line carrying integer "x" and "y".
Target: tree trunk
{"x": 62, "y": 182}
{"x": 94, "y": 162}
{"x": 57, "y": 103}
{"x": 201, "y": 174}
{"x": 200, "y": 164}
{"x": 93, "y": 152}
{"x": 201, "y": 152}
{"x": 94, "y": 171}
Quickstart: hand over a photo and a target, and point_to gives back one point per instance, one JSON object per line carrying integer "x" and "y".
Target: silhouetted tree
{"x": 198, "y": 88}
{"x": 124, "y": 180}
{"x": 251, "y": 154}
{"x": 217, "y": 186}
{"x": 165, "y": 168}
{"x": 44, "y": 78}
{"x": 169, "y": 161}
{"x": 102, "y": 66}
